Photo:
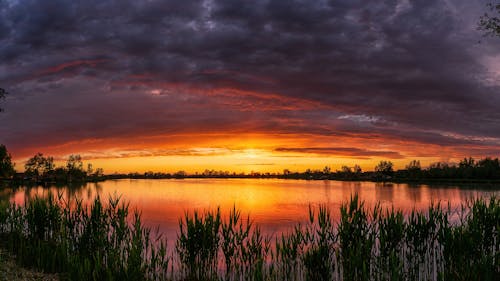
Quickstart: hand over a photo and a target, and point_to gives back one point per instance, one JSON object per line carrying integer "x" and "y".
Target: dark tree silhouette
{"x": 74, "y": 165}
{"x": 6, "y": 165}
{"x": 357, "y": 169}
{"x": 413, "y": 170}
{"x": 3, "y": 93}
{"x": 384, "y": 168}
{"x": 490, "y": 21}
{"x": 414, "y": 165}
{"x": 39, "y": 166}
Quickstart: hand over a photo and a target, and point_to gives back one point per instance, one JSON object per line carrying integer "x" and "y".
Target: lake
{"x": 275, "y": 205}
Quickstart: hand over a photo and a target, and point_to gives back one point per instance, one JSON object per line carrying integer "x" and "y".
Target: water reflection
{"x": 414, "y": 192}
{"x": 384, "y": 192}
{"x": 276, "y": 205}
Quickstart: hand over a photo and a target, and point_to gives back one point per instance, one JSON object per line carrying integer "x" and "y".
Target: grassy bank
{"x": 11, "y": 271}
{"x": 108, "y": 242}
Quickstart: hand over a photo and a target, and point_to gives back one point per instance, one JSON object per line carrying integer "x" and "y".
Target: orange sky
{"x": 239, "y": 152}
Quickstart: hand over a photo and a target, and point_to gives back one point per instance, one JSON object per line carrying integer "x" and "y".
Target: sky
{"x": 248, "y": 85}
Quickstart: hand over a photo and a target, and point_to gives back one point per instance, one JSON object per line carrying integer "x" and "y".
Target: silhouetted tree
{"x": 488, "y": 168}
{"x": 180, "y": 174}
{"x": 3, "y": 93}
{"x": 345, "y": 172}
{"x": 490, "y": 22}
{"x": 414, "y": 165}
{"x": 467, "y": 163}
{"x": 60, "y": 174}
{"x": 327, "y": 170}
{"x": 441, "y": 170}
{"x": 99, "y": 172}
{"x": 39, "y": 166}
{"x": 74, "y": 165}
{"x": 357, "y": 170}
{"x": 466, "y": 168}
{"x": 384, "y": 168}
{"x": 413, "y": 169}
{"x": 90, "y": 169}
{"x": 6, "y": 165}
{"x": 42, "y": 169}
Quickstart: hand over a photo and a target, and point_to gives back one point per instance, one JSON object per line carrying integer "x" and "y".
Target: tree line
{"x": 42, "y": 169}
{"x": 467, "y": 169}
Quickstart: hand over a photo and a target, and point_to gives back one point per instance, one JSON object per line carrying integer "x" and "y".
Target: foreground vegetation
{"x": 103, "y": 241}
{"x": 11, "y": 271}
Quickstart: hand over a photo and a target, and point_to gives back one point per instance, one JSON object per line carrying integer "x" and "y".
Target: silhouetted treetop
{"x": 384, "y": 168}
{"x": 39, "y": 166}
{"x": 42, "y": 169}
{"x": 414, "y": 165}
{"x": 6, "y": 165}
{"x": 490, "y": 21}
{"x": 3, "y": 93}
{"x": 74, "y": 163}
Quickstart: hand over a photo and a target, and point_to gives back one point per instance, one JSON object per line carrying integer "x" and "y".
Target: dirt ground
{"x": 10, "y": 271}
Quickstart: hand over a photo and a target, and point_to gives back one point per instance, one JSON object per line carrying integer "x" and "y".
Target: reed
{"x": 319, "y": 258}
{"x": 244, "y": 248}
{"x": 198, "y": 245}
{"x": 104, "y": 241}
{"x": 356, "y": 240}
{"x": 93, "y": 242}
{"x": 391, "y": 234}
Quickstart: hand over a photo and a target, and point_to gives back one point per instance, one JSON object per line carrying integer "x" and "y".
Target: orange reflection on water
{"x": 275, "y": 205}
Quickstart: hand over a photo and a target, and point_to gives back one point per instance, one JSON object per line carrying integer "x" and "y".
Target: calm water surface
{"x": 276, "y": 205}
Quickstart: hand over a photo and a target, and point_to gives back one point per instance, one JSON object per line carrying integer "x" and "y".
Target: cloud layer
{"x": 393, "y": 72}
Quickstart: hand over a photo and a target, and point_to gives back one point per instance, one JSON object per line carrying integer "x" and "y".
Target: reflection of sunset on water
{"x": 275, "y": 205}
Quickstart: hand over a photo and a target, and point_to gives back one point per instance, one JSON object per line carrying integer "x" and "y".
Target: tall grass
{"x": 93, "y": 242}
{"x": 104, "y": 241}
{"x": 198, "y": 245}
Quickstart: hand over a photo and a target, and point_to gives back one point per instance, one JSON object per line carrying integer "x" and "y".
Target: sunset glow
{"x": 249, "y": 139}
{"x": 148, "y": 86}
{"x": 241, "y": 153}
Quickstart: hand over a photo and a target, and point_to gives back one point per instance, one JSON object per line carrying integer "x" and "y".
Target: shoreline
{"x": 430, "y": 182}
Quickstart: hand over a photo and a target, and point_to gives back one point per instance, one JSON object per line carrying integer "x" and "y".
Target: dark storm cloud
{"x": 413, "y": 67}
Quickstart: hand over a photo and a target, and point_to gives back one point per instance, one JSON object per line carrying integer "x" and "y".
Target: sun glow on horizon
{"x": 239, "y": 153}
{"x": 245, "y": 161}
